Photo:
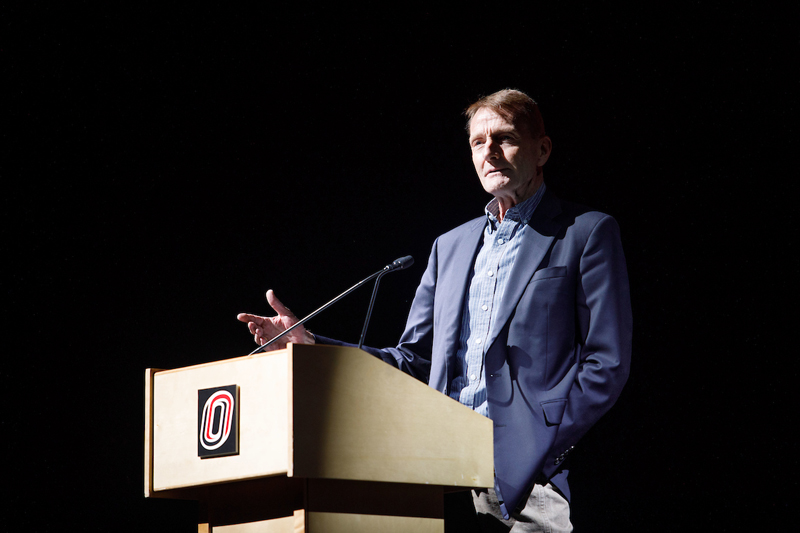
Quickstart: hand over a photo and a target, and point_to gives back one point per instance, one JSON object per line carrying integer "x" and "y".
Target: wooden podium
{"x": 330, "y": 439}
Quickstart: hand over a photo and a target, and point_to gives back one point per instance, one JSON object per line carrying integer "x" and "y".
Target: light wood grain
{"x": 355, "y": 417}
{"x": 263, "y": 422}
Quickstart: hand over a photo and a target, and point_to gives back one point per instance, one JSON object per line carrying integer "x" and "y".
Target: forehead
{"x": 486, "y": 121}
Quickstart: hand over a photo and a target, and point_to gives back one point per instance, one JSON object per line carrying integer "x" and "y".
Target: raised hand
{"x": 265, "y": 328}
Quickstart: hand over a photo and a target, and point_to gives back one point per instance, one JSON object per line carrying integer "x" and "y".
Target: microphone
{"x": 397, "y": 264}
{"x": 400, "y": 264}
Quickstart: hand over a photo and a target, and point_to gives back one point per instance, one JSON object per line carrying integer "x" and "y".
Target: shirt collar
{"x": 521, "y": 212}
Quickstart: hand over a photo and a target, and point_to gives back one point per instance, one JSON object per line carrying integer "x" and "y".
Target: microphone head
{"x": 402, "y": 263}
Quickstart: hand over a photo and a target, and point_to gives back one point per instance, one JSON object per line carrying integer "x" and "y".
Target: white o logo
{"x": 219, "y": 407}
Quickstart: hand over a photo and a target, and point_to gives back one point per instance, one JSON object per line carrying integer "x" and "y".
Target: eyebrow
{"x": 511, "y": 131}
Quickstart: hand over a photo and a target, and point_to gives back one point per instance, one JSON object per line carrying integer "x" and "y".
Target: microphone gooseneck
{"x": 398, "y": 264}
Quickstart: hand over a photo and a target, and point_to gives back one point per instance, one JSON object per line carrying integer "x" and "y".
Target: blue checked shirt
{"x": 490, "y": 276}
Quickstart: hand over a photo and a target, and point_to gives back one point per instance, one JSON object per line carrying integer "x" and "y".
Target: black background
{"x": 162, "y": 168}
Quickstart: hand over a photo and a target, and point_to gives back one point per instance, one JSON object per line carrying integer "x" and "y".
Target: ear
{"x": 545, "y": 148}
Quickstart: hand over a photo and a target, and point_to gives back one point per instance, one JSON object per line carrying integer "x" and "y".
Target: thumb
{"x": 277, "y": 305}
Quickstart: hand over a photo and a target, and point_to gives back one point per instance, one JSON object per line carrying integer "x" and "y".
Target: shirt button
{"x": 489, "y": 273}
{"x": 478, "y": 341}
{"x": 501, "y": 241}
{"x": 485, "y": 307}
{"x": 472, "y": 377}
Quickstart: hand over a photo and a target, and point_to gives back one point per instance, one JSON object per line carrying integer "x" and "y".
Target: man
{"x": 522, "y": 314}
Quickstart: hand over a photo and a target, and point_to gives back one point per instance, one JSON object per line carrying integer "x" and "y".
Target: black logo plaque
{"x": 218, "y": 421}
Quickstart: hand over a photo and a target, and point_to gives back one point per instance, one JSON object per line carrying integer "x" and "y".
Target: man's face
{"x": 505, "y": 157}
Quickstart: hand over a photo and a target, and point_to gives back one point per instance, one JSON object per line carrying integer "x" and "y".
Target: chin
{"x": 495, "y": 186}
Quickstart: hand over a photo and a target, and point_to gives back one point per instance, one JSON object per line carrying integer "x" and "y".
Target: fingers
{"x": 264, "y": 328}
{"x": 253, "y": 321}
{"x": 277, "y": 305}
{"x": 254, "y": 325}
{"x": 259, "y": 335}
{"x": 247, "y": 317}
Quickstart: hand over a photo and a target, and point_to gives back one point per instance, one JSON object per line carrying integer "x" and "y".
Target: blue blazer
{"x": 559, "y": 351}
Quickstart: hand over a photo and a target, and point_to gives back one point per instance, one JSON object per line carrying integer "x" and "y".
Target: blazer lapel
{"x": 455, "y": 276}
{"x": 536, "y": 241}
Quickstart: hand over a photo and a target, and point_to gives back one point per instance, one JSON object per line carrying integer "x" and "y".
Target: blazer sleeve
{"x": 604, "y": 337}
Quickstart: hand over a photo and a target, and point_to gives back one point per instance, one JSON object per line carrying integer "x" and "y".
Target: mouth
{"x": 495, "y": 171}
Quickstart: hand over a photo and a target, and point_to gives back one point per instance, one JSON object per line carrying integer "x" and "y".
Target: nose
{"x": 491, "y": 148}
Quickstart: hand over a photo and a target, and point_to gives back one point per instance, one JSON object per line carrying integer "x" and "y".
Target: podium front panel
{"x": 264, "y": 411}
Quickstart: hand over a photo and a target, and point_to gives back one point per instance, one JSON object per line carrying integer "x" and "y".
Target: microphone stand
{"x": 399, "y": 264}
{"x": 369, "y": 311}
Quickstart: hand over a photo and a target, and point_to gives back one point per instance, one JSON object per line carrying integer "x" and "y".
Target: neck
{"x": 506, "y": 202}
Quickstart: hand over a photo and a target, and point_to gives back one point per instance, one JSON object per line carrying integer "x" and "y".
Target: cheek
{"x": 477, "y": 160}
{"x": 511, "y": 156}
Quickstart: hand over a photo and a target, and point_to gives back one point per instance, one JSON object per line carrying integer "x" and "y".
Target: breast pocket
{"x": 543, "y": 327}
{"x": 548, "y": 273}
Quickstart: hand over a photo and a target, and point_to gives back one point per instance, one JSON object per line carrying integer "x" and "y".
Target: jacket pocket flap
{"x": 551, "y": 272}
{"x": 553, "y": 411}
